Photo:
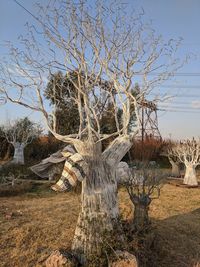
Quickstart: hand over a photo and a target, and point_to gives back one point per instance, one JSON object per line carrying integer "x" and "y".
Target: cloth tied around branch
{"x": 73, "y": 171}
{"x": 42, "y": 168}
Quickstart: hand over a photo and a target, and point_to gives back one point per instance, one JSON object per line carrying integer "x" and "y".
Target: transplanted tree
{"x": 188, "y": 152}
{"x": 20, "y": 133}
{"x": 99, "y": 44}
{"x": 143, "y": 186}
{"x": 173, "y": 159}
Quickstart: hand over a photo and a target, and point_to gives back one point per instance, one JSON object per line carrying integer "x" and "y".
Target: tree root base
{"x": 181, "y": 184}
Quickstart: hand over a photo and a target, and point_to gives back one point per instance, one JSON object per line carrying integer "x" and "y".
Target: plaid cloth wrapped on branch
{"x": 74, "y": 169}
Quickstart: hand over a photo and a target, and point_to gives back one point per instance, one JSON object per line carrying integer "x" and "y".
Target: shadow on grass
{"x": 177, "y": 242}
{"x": 25, "y": 187}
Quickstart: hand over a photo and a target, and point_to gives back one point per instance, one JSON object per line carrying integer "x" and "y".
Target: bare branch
{"x": 101, "y": 51}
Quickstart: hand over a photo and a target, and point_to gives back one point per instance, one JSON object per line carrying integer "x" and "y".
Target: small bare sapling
{"x": 143, "y": 186}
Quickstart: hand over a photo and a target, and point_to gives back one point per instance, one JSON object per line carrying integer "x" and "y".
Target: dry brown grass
{"x": 33, "y": 225}
{"x": 176, "y": 218}
{"x": 38, "y": 226}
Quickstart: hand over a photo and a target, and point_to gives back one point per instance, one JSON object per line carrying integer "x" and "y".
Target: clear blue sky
{"x": 172, "y": 19}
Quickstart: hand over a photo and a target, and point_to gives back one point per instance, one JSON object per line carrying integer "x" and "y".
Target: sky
{"x": 172, "y": 19}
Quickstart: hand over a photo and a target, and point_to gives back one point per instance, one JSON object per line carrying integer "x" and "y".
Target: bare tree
{"x": 2, "y": 99}
{"x": 143, "y": 186}
{"x": 101, "y": 48}
{"x": 188, "y": 152}
{"x": 175, "y": 166}
{"x": 173, "y": 159}
{"x": 20, "y": 133}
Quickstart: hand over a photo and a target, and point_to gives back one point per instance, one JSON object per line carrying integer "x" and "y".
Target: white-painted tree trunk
{"x": 99, "y": 214}
{"x": 18, "y": 157}
{"x": 190, "y": 177}
{"x": 175, "y": 168}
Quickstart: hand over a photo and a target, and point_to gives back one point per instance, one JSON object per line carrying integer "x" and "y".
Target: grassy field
{"x": 34, "y": 224}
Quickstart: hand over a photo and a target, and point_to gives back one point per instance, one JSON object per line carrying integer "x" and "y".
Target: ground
{"x": 34, "y": 224}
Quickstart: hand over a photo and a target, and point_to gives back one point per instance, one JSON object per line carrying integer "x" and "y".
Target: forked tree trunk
{"x": 18, "y": 157}
{"x": 190, "y": 177}
{"x": 175, "y": 168}
{"x": 99, "y": 214}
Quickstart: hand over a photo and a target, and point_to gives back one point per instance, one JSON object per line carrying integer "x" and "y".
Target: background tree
{"x": 5, "y": 147}
{"x": 3, "y": 141}
{"x": 173, "y": 159}
{"x": 148, "y": 150}
{"x": 60, "y": 91}
{"x": 188, "y": 152}
{"x": 2, "y": 99}
{"x": 99, "y": 43}
{"x": 20, "y": 134}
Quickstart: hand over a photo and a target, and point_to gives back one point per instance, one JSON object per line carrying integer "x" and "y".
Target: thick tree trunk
{"x": 99, "y": 216}
{"x": 175, "y": 169}
{"x": 141, "y": 208}
{"x": 18, "y": 157}
{"x": 190, "y": 177}
{"x": 141, "y": 217}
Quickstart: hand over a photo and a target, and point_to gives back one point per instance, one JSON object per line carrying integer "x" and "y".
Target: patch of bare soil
{"x": 33, "y": 225}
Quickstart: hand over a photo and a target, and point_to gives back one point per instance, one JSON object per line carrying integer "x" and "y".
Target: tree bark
{"x": 18, "y": 157}
{"x": 175, "y": 169}
{"x": 99, "y": 213}
{"x": 141, "y": 208}
{"x": 190, "y": 177}
{"x": 99, "y": 216}
{"x": 141, "y": 217}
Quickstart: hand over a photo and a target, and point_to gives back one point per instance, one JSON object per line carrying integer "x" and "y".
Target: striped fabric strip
{"x": 77, "y": 166}
{"x": 73, "y": 171}
{"x": 61, "y": 186}
{"x": 67, "y": 173}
